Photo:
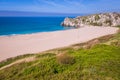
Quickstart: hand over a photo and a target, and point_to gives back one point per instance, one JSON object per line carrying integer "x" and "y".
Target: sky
{"x": 61, "y": 6}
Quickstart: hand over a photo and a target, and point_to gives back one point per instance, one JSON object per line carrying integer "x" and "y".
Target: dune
{"x": 11, "y": 46}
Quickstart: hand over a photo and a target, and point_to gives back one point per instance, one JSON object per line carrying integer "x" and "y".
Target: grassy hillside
{"x": 98, "y": 59}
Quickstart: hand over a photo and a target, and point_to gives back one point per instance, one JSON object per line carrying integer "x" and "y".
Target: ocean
{"x": 28, "y": 25}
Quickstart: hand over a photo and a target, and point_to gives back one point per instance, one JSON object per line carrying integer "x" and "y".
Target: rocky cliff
{"x": 102, "y": 19}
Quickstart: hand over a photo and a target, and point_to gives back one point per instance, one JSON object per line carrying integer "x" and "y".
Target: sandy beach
{"x": 11, "y": 46}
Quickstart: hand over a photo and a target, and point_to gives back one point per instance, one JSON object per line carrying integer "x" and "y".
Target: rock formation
{"x": 102, "y": 19}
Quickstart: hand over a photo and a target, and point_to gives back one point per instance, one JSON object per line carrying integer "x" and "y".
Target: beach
{"x": 11, "y": 46}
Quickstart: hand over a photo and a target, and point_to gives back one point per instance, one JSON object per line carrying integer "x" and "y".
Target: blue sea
{"x": 28, "y": 25}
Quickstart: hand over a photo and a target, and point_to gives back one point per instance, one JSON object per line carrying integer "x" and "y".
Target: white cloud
{"x": 52, "y": 3}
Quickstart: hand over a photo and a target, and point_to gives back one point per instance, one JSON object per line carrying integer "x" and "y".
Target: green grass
{"x": 10, "y": 60}
{"x": 100, "y": 62}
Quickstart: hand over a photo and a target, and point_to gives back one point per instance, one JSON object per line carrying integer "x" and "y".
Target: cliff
{"x": 102, "y": 19}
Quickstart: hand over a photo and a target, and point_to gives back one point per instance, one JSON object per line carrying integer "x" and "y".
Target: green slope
{"x": 99, "y": 62}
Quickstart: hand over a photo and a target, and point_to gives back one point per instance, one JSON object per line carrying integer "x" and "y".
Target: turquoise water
{"x": 28, "y": 25}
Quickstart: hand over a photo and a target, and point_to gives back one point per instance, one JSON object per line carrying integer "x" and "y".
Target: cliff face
{"x": 103, "y": 19}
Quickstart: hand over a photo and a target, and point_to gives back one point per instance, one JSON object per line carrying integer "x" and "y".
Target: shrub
{"x": 116, "y": 43}
{"x": 108, "y": 22}
{"x": 118, "y": 26}
{"x": 97, "y": 17}
{"x": 96, "y": 24}
{"x": 83, "y": 20}
{"x": 76, "y": 22}
{"x": 65, "y": 59}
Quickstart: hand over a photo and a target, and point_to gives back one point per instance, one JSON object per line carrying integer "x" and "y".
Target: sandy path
{"x": 19, "y": 61}
{"x": 11, "y": 46}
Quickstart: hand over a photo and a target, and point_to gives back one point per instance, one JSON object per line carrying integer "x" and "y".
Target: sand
{"x": 11, "y": 46}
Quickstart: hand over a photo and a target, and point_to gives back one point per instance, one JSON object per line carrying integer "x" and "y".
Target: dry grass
{"x": 65, "y": 59}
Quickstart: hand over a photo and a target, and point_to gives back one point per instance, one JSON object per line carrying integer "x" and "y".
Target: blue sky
{"x": 60, "y": 6}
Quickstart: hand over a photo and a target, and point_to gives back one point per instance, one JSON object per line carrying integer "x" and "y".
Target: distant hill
{"x": 21, "y": 13}
{"x": 102, "y": 19}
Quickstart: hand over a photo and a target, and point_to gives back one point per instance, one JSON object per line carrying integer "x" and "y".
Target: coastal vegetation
{"x": 97, "y": 59}
{"x": 10, "y": 60}
{"x": 97, "y": 17}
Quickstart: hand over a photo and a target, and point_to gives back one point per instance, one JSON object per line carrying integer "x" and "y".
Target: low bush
{"x": 65, "y": 59}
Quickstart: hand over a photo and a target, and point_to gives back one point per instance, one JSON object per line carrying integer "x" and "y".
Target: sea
{"x": 29, "y": 25}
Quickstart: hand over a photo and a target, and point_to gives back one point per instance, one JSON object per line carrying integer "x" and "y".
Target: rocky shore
{"x": 102, "y": 19}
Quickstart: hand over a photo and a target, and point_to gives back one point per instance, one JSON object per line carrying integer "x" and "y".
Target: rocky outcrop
{"x": 102, "y": 19}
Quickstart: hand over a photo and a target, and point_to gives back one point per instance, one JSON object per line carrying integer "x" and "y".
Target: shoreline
{"x": 34, "y": 33}
{"x": 9, "y": 35}
{"x": 15, "y": 45}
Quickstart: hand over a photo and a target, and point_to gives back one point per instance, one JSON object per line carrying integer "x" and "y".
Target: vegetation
{"x": 76, "y": 22}
{"x": 99, "y": 62}
{"x": 108, "y": 22}
{"x": 97, "y": 17}
{"x": 118, "y": 26}
{"x": 65, "y": 59}
{"x": 10, "y": 60}
{"x": 102, "y": 19}
{"x": 95, "y": 24}
{"x": 83, "y": 20}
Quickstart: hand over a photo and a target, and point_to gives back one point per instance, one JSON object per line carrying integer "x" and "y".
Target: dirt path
{"x": 19, "y": 61}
